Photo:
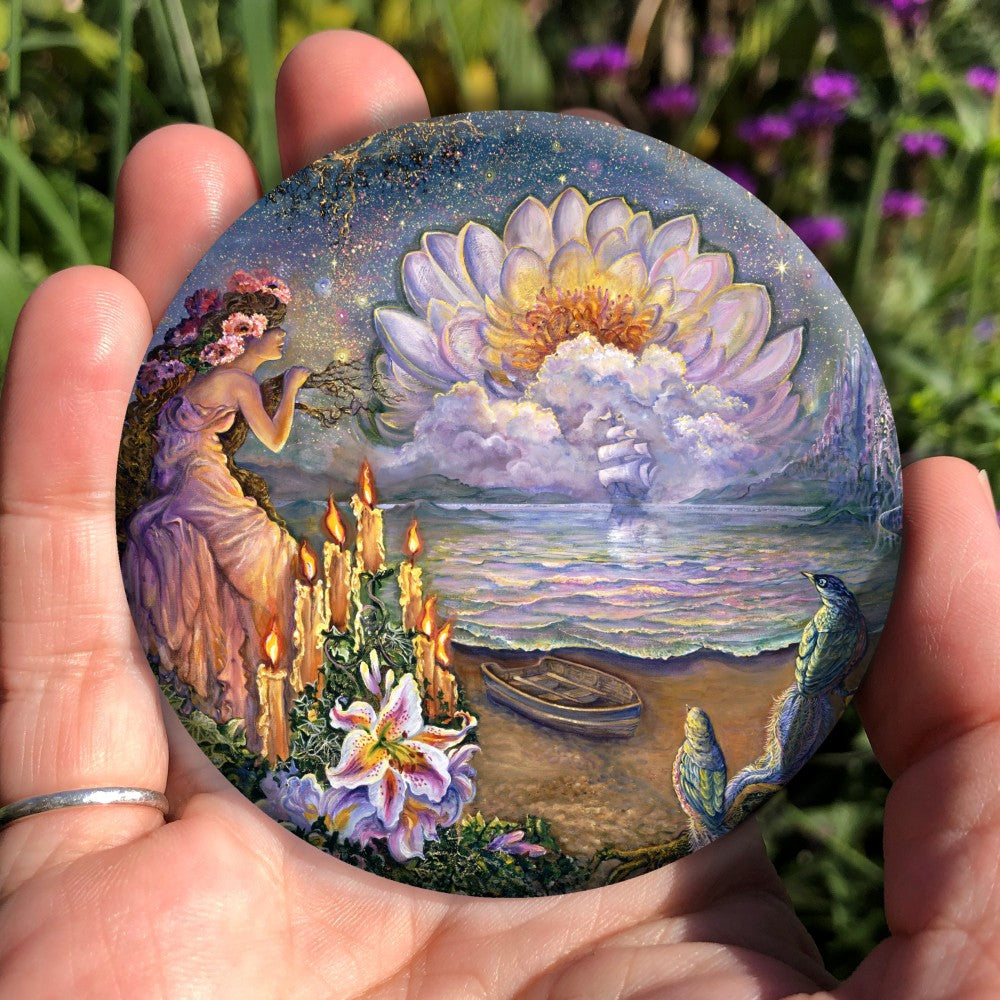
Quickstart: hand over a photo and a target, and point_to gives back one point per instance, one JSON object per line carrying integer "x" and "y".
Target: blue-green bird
{"x": 700, "y": 778}
{"x": 833, "y": 642}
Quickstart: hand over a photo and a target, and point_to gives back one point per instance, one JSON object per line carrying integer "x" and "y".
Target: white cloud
{"x": 549, "y": 439}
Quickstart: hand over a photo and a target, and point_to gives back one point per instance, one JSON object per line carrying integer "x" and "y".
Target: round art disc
{"x": 509, "y": 503}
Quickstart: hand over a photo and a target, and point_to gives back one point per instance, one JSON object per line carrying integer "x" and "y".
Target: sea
{"x": 654, "y": 582}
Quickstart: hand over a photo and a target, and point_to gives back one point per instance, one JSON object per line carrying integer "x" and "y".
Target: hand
{"x": 295, "y": 378}
{"x": 220, "y": 901}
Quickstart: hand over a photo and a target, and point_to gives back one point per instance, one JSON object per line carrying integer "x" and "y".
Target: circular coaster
{"x": 509, "y": 504}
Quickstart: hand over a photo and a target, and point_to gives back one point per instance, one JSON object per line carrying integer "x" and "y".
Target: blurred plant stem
{"x": 872, "y": 221}
{"x": 985, "y": 218}
{"x": 257, "y": 20}
{"x": 12, "y": 186}
{"x": 188, "y": 60}
{"x": 122, "y": 124}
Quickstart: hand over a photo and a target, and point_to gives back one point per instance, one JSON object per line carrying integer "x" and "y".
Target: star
{"x": 561, "y": 178}
{"x": 782, "y": 267}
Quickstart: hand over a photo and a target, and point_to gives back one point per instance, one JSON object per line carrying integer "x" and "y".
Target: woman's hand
{"x": 220, "y": 901}
{"x": 295, "y": 378}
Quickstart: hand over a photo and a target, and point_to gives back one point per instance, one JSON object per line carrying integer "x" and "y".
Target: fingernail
{"x": 984, "y": 481}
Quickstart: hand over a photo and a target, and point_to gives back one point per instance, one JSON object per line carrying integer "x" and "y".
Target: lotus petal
{"x": 773, "y": 365}
{"x": 572, "y": 267}
{"x": 708, "y": 273}
{"x": 482, "y": 254}
{"x": 412, "y": 345}
{"x": 611, "y": 213}
{"x": 530, "y": 226}
{"x": 569, "y": 214}
{"x": 741, "y": 316}
{"x": 522, "y": 276}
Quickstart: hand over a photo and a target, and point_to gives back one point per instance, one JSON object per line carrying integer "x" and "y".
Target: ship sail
{"x": 627, "y": 466}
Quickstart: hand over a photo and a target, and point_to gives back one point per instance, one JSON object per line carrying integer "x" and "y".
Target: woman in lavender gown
{"x": 208, "y": 573}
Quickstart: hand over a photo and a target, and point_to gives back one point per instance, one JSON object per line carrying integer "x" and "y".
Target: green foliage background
{"x": 83, "y": 80}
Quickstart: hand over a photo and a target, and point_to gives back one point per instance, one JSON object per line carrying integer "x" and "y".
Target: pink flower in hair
{"x": 242, "y": 326}
{"x": 221, "y": 351}
{"x": 243, "y": 282}
{"x": 261, "y": 280}
{"x": 273, "y": 284}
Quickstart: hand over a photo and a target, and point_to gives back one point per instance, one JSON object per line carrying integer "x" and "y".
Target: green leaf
{"x": 37, "y": 189}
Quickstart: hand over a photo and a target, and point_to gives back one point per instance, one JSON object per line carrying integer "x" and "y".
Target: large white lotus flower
{"x": 490, "y": 310}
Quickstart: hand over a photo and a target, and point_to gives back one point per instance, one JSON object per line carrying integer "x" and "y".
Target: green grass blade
{"x": 50, "y": 207}
{"x": 188, "y": 59}
{"x": 122, "y": 121}
{"x": 257, "y": 20}
{"x": 881, "y": 178}
{"x": 12, "y": 187}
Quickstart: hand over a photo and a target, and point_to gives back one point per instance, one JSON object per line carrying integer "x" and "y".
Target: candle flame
{"x": 414, "y": 543}
{"x": 308, "y": 563}
{"x": 427, "y": 619}
{"x": 333, "y": 524}
{"x": 366, "y": 484}
{"x": 442, "y": 650}
{"x": 272, "y": 643}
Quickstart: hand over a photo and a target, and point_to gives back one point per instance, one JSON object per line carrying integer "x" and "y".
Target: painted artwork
{"x": 509, "y": 504}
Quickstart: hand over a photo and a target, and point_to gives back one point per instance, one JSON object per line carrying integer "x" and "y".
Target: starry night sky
{"x": 346, "y": 222}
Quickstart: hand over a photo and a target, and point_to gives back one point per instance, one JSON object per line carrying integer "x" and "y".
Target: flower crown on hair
{"x": 200, "y": 341}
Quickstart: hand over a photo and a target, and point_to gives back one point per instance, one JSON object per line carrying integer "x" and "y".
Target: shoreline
{"x": 685, "y": 663}
{"x": 600, "y": 792}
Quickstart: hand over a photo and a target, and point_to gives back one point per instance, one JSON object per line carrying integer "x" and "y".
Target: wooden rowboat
{"x": 565, "y": 695}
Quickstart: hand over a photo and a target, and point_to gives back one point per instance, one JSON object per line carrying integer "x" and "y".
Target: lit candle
{"x": 445, "y": 680}
{"x": 424, "y": 650}
{"x": 310, "y": 620}
{"x": 370, "y": 543}
{"x": 272, "y": 723}
{"x": 337, "y": 569}
{"x": 411, "y": 595}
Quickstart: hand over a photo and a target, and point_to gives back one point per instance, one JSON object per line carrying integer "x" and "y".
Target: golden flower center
{"x": 558, "y": 315}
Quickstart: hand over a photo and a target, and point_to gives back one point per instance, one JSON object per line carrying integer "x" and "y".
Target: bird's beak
{"x": 809, "y": 576}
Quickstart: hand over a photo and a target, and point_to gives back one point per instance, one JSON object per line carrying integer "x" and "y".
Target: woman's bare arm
{"x": 271, "y": 431}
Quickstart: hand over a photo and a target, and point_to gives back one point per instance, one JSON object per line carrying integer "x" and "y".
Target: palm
{"x": 115, "y": 902}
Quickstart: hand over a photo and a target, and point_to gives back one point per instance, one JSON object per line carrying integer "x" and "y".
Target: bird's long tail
{"x": 798, "y": 724}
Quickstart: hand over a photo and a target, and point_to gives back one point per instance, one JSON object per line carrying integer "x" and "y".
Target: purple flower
{"x": 930, "y": 144}
{"x": 766, "y": 130}
{"x": 514, "y": 843}
{"x": 812, "y": 115}
{"x": 184, "y": 332}
{"x": 834, "y": 87}
{"x": 600, "y": 60}
{"x": 985, "y": 330}
{"x": 908, "y": 13}
{"x": 677, "y": 100}
{"x": 983, "y": 79}
{"x": 738, "y": 173}
{"x": 717, "y": 45}
{"x": 203, "y": 301}
{"x": 903, "y": 205}
{"x": 819, "y": 231}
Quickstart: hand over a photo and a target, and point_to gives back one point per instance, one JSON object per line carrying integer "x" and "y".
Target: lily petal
{"x": 400, "y": 716}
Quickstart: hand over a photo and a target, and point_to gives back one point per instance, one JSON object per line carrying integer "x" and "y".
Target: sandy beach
{"x": 594, "y": 792}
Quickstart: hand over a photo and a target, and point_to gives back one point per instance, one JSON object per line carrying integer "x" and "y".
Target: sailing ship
{"x": 627, "y": 467}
